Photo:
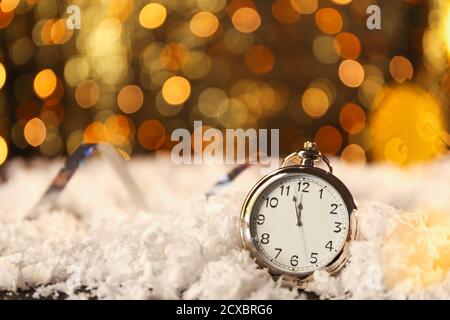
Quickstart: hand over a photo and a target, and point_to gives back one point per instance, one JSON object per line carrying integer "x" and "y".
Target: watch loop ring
{"x": 308, "y": 156}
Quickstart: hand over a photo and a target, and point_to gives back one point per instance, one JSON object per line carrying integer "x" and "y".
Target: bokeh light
{"x": 315, "y": 102}
{"x": 174, "y": 56}
{"x": 130, "y": 99}
{"x": 3, "y": 150}
{"x": 407, "y": 126}
{"x": 152, "y": 15}
{"x": 35, "y": 132}
{"x": 307, "y": 67}
{"x": 351, "y": 73}
{"x": 329, "y": 20}
{"x": 328, "y": 140}
{"x": 204, "y": 24}
{"x": 6, "y": 18}
{"x": 305, "y": 6}
{"x": 9, "y": 5}
{"x": 354, "y": 155}
{"x": 246, "y": 20}
{"x": 176, "y": 90}
{"x": 2, "y": 75}
{"x": 347, "y": 45}
{"x": 45, "y": 83}
{"x": 96, "y": 132}
{"x": 87, "y": 93}
{"x": 151, "y": 134}
{"x": 260, "y": 59}
{"x": 284, "y": 12}
{"x": 401, "y": 69}
{"x": 352, "y": 118}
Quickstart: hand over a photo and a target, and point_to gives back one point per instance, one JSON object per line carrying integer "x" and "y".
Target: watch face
{"x": 298, "y": 221}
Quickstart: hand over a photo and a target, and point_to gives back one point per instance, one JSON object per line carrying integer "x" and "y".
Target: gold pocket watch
{"x": 299, "y": 218}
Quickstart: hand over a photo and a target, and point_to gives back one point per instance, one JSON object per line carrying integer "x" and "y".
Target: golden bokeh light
{"x": 45, "y": 83}
{"x": 59, "y": 33}
{"x": 351, "y": 73}
{"x": 329, "y": 20}
{"x": 130, "y": 99}
{"x": 3, "y": 150}
{"x": 2, "y": 75}
{"x": 119, "y": 129}
{"x": 354, "y": 155}
{"x": 96, "y": 132}
{"x": 284, "y": 12}
{"x": 246, "y": 20}
{"x": 151, "y": 134}
{"x": 401, "y": 69}
{"x": 176, "y": 90}
{"x": 352, "y": 118}
{"x": 328, "y": 139}
{"x": 341, "y": 2}
{"x": 152, "y": 15}
{"x": 174, "y": 56}
{"x": 305, "y": 6}
{"x": 408, "y": 126}
{"x": 260, "y": 59}
{"x": 347, "y": 45}
{"x": 45, "y": 32}
{"x": 324, "y": 50}
{"x": 9, "y": 5}
{"x": 35, "y": 132}
{"x": 87, "y": 93}
{"x": 6, "y": 18}
{"x": 204, "y": 24}
{"x": 315, "y": 102}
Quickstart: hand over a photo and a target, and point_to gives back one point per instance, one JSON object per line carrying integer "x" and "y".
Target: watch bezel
{"x": 338, "y": 262}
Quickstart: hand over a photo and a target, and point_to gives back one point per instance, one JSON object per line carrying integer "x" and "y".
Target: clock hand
{"x": 299, "y": 208}
{"x": 297, "y": 211}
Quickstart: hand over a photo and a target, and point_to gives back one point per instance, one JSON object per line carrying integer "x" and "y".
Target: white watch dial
{"x": 299, "y": 223}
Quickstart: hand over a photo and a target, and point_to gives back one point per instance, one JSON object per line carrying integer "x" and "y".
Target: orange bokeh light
{"x": 45, "y": 83}
{"x": 246, "y": 20}
{"x": 96, "y": 132}
{"x": 329, "y": 20}
{"x": 260, "y": 59}
{"x": 347, "y": 45}
{"x": 130, "y": 99}
{"x": 35, "y": 132}
{"x": 328, "y": 139}
{"x": 352, "y": 118}
{"x": 151, "y": 134}
{"x": 284, "y": 12}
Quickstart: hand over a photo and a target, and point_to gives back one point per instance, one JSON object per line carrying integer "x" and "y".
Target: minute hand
{"x": 298, "y": 210}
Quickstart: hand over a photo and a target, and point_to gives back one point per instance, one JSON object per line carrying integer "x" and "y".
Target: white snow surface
{"x": 189, "y": 247}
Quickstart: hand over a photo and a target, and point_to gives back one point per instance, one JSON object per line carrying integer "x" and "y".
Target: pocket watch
{"x": 299, "y": 218}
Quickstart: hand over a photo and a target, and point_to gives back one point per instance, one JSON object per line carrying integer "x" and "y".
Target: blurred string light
{"x": 139, "y": 69}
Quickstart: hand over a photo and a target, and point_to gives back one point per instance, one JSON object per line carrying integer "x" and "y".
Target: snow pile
{"x": 97, "y": 245}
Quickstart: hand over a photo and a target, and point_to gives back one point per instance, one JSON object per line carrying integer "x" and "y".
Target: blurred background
{"x": 137, "y": 70}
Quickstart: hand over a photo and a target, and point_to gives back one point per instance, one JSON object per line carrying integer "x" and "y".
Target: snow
{"x": 95, "y": 244}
